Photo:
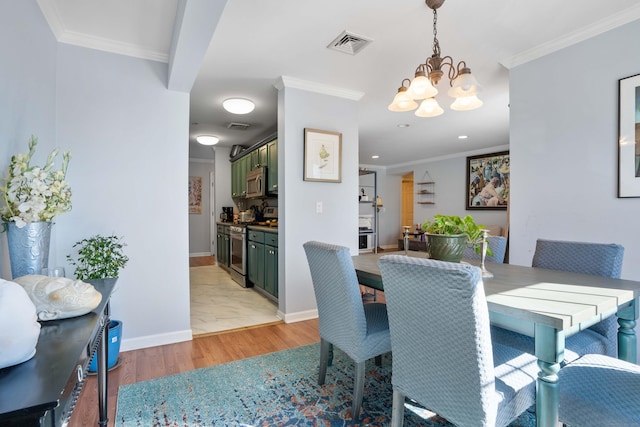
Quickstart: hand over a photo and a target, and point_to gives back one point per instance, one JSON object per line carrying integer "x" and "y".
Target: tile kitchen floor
{"x": 220, "y": 304}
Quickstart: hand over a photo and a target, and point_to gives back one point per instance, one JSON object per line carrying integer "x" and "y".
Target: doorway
{"x": 406, "y": 216}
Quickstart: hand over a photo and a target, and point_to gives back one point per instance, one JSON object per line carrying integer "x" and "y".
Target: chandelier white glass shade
{"x": 207, "y": 139}
{"x": 464, "y": 86}
{"x": 238, "y": 105}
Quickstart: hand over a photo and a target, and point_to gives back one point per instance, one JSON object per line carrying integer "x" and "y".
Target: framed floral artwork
{"x": 629, "y": 137}
{"x": 322, "y": 155}
{"x": 488, "y": 181}
{"x": 195, "y": 194}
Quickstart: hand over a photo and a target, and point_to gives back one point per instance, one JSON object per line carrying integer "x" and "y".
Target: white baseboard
{"x": 299, "y": 316}
{"x": 200, "y": 254}
{"x": 156, "y": 340}
{"x": 390, "y": 247}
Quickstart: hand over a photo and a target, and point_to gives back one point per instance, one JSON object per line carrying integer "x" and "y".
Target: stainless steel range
{"x": 238, "y": 236}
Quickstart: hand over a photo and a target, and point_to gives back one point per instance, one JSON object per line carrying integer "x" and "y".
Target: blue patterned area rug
{"x": 277, "y": 389}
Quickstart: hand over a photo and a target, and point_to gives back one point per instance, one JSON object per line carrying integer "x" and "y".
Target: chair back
{"x": 440, "y": 337}
{"x": 498, "y": 245}
{"x": 598, "y": 259}
{"x": 335, "y": 284}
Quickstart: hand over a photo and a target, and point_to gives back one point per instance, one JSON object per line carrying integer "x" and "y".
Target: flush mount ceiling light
{"x": 464, "y": 87}
{"x": 207, "y": 139}
{"x": 238, "y": 105}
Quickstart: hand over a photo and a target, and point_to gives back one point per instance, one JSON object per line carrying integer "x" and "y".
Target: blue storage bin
{"x": 114, "y": 336}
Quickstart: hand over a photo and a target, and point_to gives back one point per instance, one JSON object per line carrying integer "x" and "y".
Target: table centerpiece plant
{"x": 448, "y": 235}
{"x": 30, "y": 198}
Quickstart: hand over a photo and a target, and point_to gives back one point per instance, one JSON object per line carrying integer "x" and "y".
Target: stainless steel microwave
{"x": 257, "y": 183}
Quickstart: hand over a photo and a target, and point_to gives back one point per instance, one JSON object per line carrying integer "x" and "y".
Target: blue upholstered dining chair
{"x": 598, "y": 259}
{"x": 360, "y": 330}
{"x": 443, "y": 357}
{"x": 498, "y": 245}
{"x": 598, "y": 390}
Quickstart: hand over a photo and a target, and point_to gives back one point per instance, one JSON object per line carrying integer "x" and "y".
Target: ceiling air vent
{"x": 238, "y": 126}
{"x": 350, "y": 43}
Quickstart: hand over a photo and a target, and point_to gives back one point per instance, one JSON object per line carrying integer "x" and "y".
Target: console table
{"x": 414, "y": 245}
{"x": 43, "y": 390}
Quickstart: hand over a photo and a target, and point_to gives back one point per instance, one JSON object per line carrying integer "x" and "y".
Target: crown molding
{"x": 621, "y": 18}
{"x": 292, "y": 82}
{"x": 476, "y": 152}
{"x": 63, "y": 35}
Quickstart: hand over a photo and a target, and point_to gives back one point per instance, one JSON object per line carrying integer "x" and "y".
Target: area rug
{"x": 277, "y": 389}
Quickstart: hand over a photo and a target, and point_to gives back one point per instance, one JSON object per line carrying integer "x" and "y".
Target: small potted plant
{"x": 99, "y": 261}
{"x": 448, "y": 235}
{"x": 99, "y": 257}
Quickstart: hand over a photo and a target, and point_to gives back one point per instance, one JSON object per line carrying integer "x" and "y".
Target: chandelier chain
{"x": 463, "y": 85}
{"x": 436, "y": 43}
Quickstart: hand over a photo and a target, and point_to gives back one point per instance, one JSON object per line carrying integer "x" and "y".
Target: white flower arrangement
{"x": 34, "y": 193}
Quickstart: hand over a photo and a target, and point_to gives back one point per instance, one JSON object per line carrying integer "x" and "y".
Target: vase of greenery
{"x": 99, "y": 261}
{"x": 31, "y": 197}
{"x": 448, "y": 235}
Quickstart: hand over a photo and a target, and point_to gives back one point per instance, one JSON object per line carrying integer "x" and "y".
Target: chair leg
{"x": 330, "y": 361}
{"x": 358, "y": 390}
{"x": 324, "y": 357}
{"x": 397, "y": 411}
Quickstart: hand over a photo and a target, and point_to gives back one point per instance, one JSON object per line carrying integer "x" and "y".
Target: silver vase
{"x": 28, "y": 247}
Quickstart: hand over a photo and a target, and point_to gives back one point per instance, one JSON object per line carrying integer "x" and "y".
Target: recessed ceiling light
{"x": 375, "y": 156}
{"x": 238, "y": 105}
{"x": 404, "y": 125}
{"x": 207, "y": 139}
{"x": 463, "y": 137}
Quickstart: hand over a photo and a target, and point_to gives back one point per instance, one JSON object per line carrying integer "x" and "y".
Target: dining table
{"x": 548, "y": 305}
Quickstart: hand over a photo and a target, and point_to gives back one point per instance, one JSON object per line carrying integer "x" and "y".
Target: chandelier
{"x": 463, "y": 86}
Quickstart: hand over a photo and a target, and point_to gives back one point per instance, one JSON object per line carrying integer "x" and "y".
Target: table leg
{"x": 627, "y": 340}
{"x": 549, "y": 344}
{"x": 103, "y": 354}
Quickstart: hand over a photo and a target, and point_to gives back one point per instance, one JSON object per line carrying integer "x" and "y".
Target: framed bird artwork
{"x": 322, "y": 155}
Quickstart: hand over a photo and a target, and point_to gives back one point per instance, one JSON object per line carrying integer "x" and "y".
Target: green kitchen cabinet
{"x": 259, "y": 157}
{"x": 245, "y": 165}
{"x": 272, "y": 166}
{"x": 223, "y": 257}
{"x": 271, "y": 263}
{"x": 239, "y": 170}
{"x": 255, "y": 261}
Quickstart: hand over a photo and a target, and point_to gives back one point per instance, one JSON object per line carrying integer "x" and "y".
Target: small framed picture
{"x": 322, "y": 155}
{"x": 629, "y": 137}
{"x": 488, "y": 181}
{"x": 195, "y": 194}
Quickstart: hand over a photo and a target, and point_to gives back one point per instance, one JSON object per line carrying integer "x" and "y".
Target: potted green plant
{"x": 448, "y": 235}
{"x": 99, "y": 257}
{"x": 99, "y": 261}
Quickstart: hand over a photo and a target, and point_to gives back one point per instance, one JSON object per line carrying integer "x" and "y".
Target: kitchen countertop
{"x": 252, "y": 226}
{"x": 263, "y": 228}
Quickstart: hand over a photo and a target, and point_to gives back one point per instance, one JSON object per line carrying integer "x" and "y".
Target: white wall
{"x": 28, "y": 56}
{"x": 449, "y": 175}
{"x": 564, "y": 134}
{"x": 223, "y": 179}
{"x": 128, "y": 136}
{"x": 338, "y": 223}
{"x": 200, "y": 224}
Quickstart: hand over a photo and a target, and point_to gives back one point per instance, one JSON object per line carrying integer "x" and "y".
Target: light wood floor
{"x": 202, "y": 351}
{"x": 154, "y": 362}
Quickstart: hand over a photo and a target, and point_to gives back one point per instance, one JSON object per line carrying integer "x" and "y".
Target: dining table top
{"x": 558, "y": 299}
